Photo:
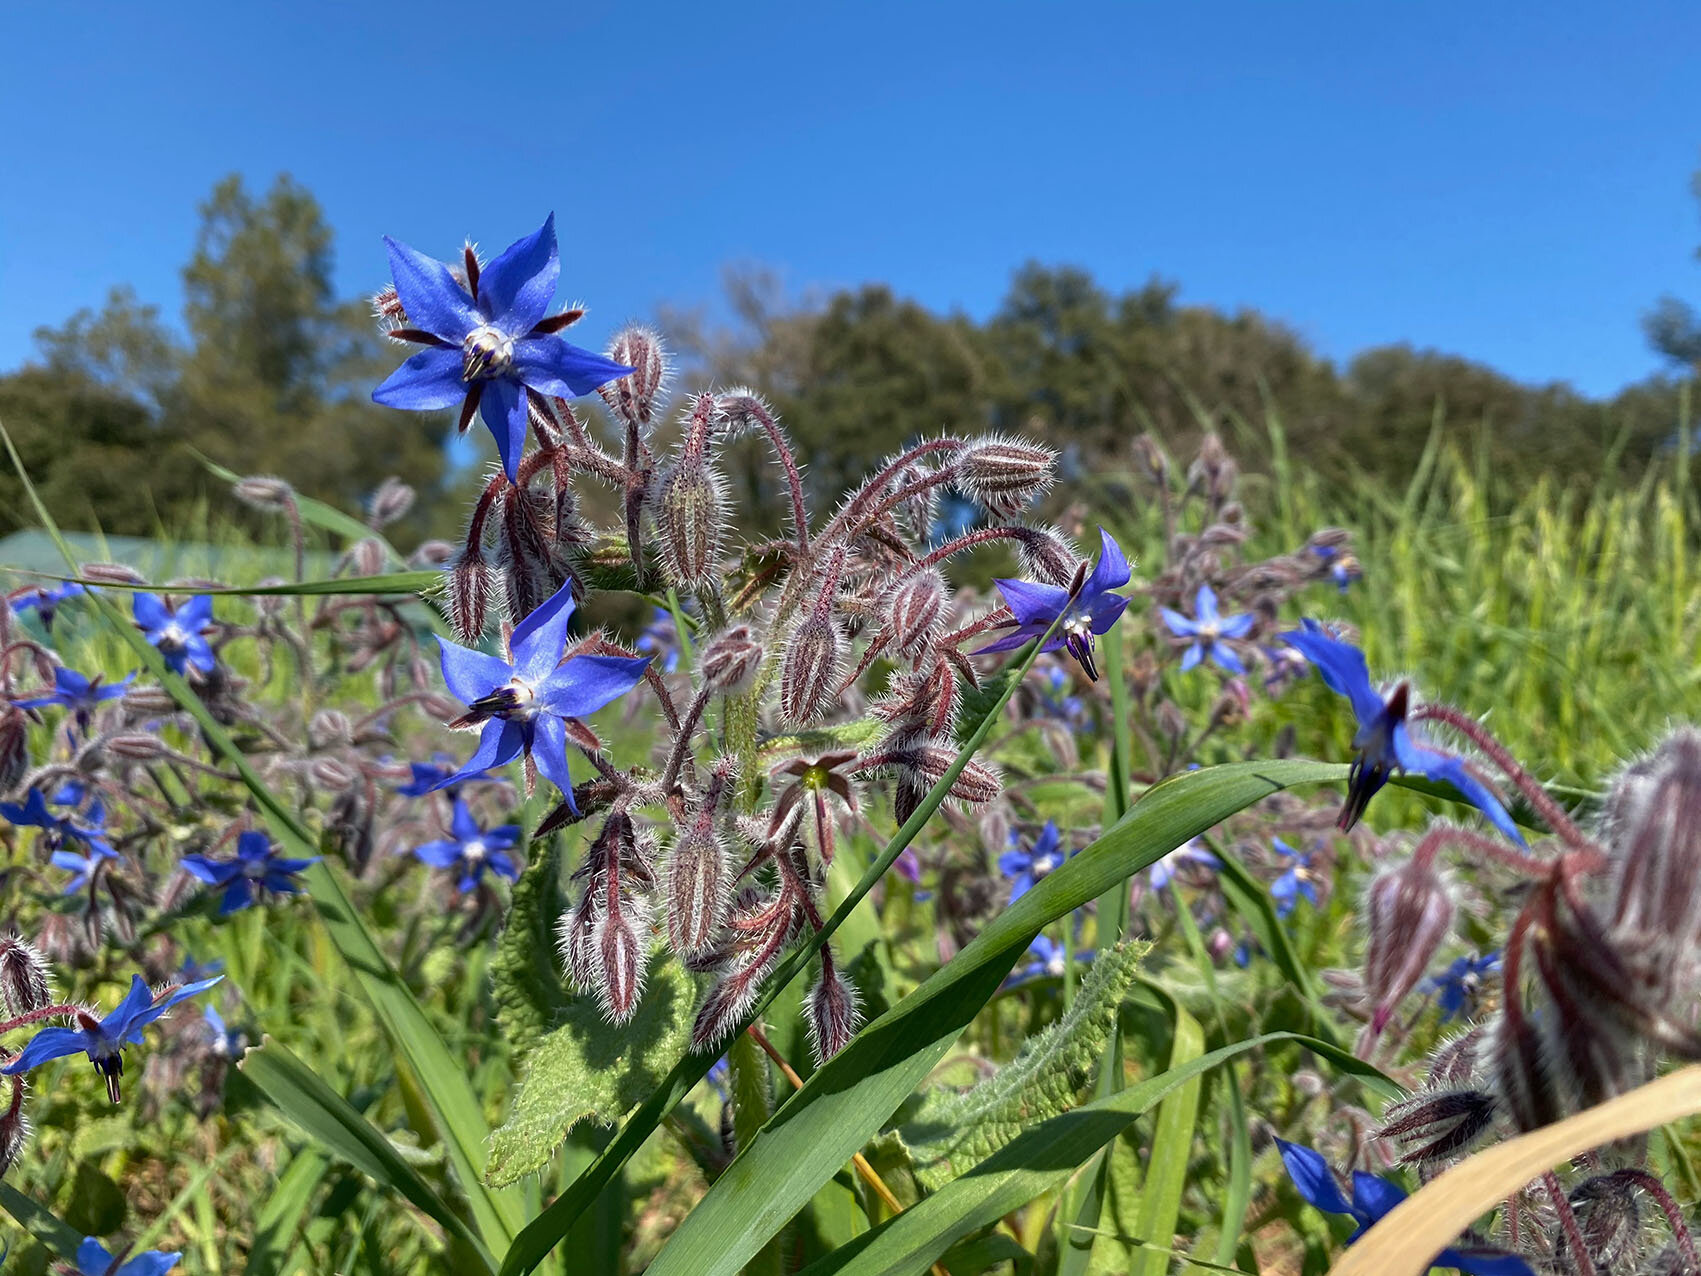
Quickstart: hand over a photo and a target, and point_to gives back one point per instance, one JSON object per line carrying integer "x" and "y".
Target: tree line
{"x": 274, "y": 370}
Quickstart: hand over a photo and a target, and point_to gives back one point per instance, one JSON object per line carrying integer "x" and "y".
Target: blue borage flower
{"x": 1192, "y": 851}
{"x": 45, "y": 602}
{"x": 660, "y": 638}
{"x": 1047, "y": 960}
{"x": 1208, "y": 628}
{"x": 1374, "y": 1197}
{"x": 429, "y": 777}
{"x": 77, "y": 692}
{"x": 103, "y": 1040}
{"x": 225, "y": 1042}
{"x": 93, "y": 1259}
{"x": 1025, "y": 866}
{"x": 180, "y": 634}
{"x": 471, "y": 850}
{"x": 489, "y": 341}
{"x": 1384, "y": 742}
{"x": 1295, "y": 881}
{"x": 61, "y": 832}
{"x": 523, "y": 706}
{"x": 1089, "y": 609}
{"x": 1343, "y": 567}
{"x": 256, "y": 867}
{"x": 1458, "y": 987}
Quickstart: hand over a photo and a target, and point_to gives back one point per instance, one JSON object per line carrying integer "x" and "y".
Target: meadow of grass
{"x": 1567, "y": 619}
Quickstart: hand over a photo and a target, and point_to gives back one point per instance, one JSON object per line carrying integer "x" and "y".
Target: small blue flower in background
{"x": 93, "y": 1259}
{"x": 523, "y": 706}
{"x": 1027, "y": 865}
{"x": 180, "y": 634}
{"x": 61, "y": 831}
{"x": 471, "y": 850}
{"x": 1343, "y": 567}
{"x": 1191, "y": 851}
{"x": 1057, "y": 699}
{"x": 191, "y": 970}
{"x": 255, "y": 867}
{"x": 78, "y": 693}
{"x": 45, "y": 602}
{"x": 1047, "y": 960}
{"x": 1383, "y": 742}
{"x": 1375, "y": 1197}
{"x": 1207, "y": 629}
{"x": 720, "y": 1077}
{"x": 1079, "y": 614}
{"x": 81, "y": 867}
{"x": 489, "y": 341}
{"x": 1295, "y": 881}
{"x": 103, "y": 1040}
{"x": 956, "y": 516}
{"x": 70, "y": 793}
{"x": 227, "y": 1043}
{"x": 428, "y": 777}
{"x": 1458, "y": 987}
{"x": 661, "y": 638}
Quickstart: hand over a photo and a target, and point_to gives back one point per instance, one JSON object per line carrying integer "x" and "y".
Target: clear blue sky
{"x": 1506, "y": 181}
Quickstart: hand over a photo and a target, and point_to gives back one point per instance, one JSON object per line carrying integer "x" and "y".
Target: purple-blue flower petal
{"x": 46, "y": 1045}
{"x": 1033, "y": 604}
{"x": 1342, "y": 667}
{"x": 434, "y": 301}
{"x": 1313, "y": 1178}
{"x": 551, "y": 364}
{"x": 549, "y": 751}
{"x": 1111, "y": 571}
{"x": 515, "y": 290}
{"x": 471, "y": 674}
{"x": 462, "y": 824}
{"x": 499, "y": 744}
{"x": 149, "y": 611}
{"x": 586, "y": 683}
{"x": 538, "y": 641}
{"x": 425, "y": 381}
{"x": 503, "y": 407}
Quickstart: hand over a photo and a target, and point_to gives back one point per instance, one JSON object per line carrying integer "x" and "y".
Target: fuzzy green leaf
{"x": 951, "y": 1132}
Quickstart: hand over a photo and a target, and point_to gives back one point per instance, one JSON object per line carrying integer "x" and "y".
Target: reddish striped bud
{"x": 809, "y": 673}
{"x": 696, "y": 888}
{"x": 112, "y": 574}
{"x": 432, "y": 554}
{"x": 731, "y": 660}
{"x": 1435, "y": 1126}
{"x": 620, "y": 956}
{"x": 914, "y": 611}
{"x": 636, "y": 398}
{"x": 573, "y": 940}
{"x": 14, "y": 747}
{"x": 1409, "y": 913}
{"x": 140, "y": 747}
{"x": 14, "y": 1127}
{"x": 690, "y": 514}
{"x": 274, "y": 495}
{"x": 1654, "y": 830}
{"x": 471, "y": 584}
{"x": 1047, "y": 555}
{"x": 1005, "y": 475}
{"x": 23, "y": 977}
{"x": 724, "y": 1009}
{"x": 832, "y": 1012}
{"x": 391, "y": 501}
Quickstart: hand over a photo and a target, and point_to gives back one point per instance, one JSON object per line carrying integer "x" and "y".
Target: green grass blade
{"x": 412, "y": 582}
{"x": 1032, "y": 1163}
{"x": 459, "y": 1115}
{"x": 1172, "y": 1145}
{"x": 40, "y": 1222}
{"x": 280, "y": 1219}
{"x": 848, "y": 1099}
{"x": 331, "y": 1121}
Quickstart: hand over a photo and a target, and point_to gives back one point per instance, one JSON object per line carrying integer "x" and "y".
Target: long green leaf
{"x": 549, "y": 1228}
{"x": 278, "y": 1221}
{"x": 40, "y": 1222}
{"x": 1172, "y": 1146}
{"x": 848, "y": 1099}
{"x": 459, "y": 1116}
{"x": 331, "y": 1121}
{"x": 1032, "y": 1163}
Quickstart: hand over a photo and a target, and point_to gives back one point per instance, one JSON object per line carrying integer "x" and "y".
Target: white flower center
{"x": 486, "y": 353}
{"x": 173, "y": 637}
{"x": 474, "y": 852}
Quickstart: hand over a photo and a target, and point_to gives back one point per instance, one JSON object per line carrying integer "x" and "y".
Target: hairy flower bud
{"x": 391, "y": 501}
{"x": 14, "y": 1127}
{"x": 23, "y": 977}
{"x": 636, "y": 397}
{"x": 1441, "y": 1124}
{"x": 914, "y": 611}
{"x": 1047, "y": 555}
{"x": 273, "y": 495}
{"x": 1408, "y": 912}
{"x": 112, "y": 574}
{"x": 432, "y": 554}
{"x": 388, "y": 310}
{"x": 690, "y": 514}
{"x": 920, "y": 508}
{"x": 1005, "y": 475}
{"x": 810, "y": 670}
{"x": 1151, "y": 459}
{"x": 1609, "y": 1218}
{"x": 1654, "y": 831}
{"x": 470, "y": 586}
{"x": 137, "y": 747}
{"x": 731, "y": 659}
{"x": 573, "y": 935}
{"x": 727, "y": 1003}
{"x": 620, "y": 955}
{"x": 329, "y": 728}
{"x": 14, "y": 747}
{"x": 831, "y": 1011}
{"x": 696, "y": 888}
